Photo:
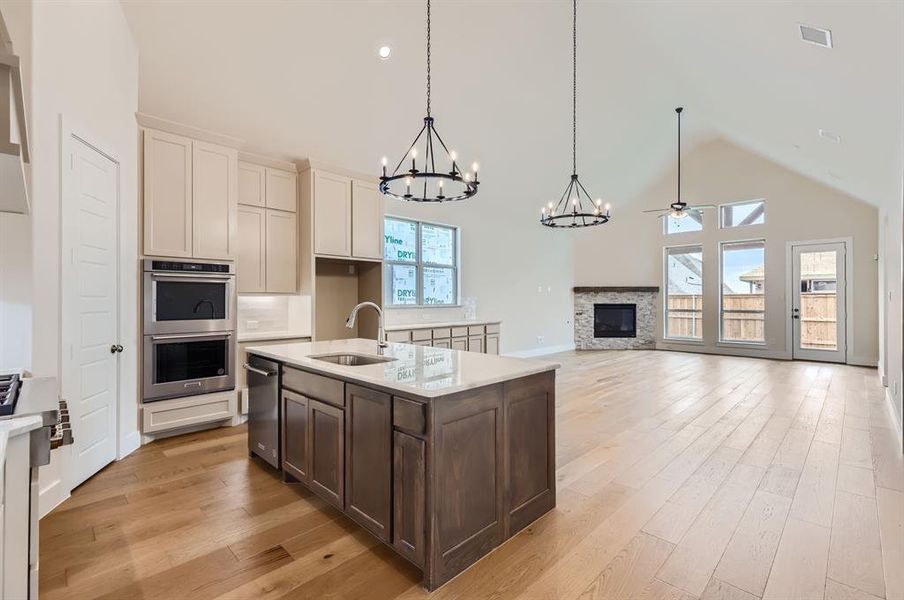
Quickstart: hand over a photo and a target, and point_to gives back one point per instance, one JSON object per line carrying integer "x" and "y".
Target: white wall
{"x": 84, "y": 68}
{"x": 628, "y": 251}
{"x": 890, "y": 302}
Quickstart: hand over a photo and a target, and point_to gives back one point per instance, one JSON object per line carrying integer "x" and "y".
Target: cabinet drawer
{"x": 409, "y": 416}
{"x": 476, "y": 330}
{"x": 442, "y": 333}
{"x": 314, "y": 386}
{"x": 420, "y": 335}
{"x": 459, "y": 332}
{"x": 493, "y": 328}
{"x": 398, "y": 336}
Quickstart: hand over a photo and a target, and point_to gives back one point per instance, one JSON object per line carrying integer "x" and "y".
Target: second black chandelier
{"x": 575, "y": 208}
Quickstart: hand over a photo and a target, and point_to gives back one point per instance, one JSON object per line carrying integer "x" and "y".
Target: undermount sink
{"x": 353, "y": 360}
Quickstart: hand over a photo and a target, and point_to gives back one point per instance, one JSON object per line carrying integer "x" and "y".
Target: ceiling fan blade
{"x": 653, "y": 210}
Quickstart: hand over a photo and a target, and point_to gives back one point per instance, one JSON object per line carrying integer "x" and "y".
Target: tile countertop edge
{"x": 528, "y": 366}
{"x": 440, "y": 325}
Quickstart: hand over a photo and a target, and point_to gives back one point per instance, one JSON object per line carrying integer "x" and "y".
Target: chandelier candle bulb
{"x": 384, "y": 167}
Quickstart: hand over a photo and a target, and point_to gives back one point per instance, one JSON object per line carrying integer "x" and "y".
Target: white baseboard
{"x": 540, "y": 351}
{"x": 862, "y": 361}
{"x": 51, "y": 496}
{"x": 890, "y": 406}
{"x": 724, "y": 350}
{"x": 130, "y": 443}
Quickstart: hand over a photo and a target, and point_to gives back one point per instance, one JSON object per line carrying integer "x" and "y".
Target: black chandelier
{"x": 571, "y": 210}
{"x": 429, "y": 184}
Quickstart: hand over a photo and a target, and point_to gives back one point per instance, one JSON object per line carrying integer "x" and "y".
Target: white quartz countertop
{"x": 15, "y": 427}
{"x": 419, "y": 370}
{"x": 423, "y": 325}
{"x": 266, "y": 336}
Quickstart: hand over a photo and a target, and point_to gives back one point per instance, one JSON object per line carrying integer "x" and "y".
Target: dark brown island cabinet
{"x": 442, "y": 480}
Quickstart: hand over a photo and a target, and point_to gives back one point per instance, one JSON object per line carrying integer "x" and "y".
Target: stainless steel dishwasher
{"x": 263, "y": 409}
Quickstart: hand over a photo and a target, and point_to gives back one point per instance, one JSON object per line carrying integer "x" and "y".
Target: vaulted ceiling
{"x": 302, "y": 78}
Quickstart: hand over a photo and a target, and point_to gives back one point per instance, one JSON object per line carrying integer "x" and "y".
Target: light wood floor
{"x": 680, "y": 476}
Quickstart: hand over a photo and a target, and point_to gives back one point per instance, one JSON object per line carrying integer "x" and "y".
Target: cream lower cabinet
{"x": 483, "y": 338}
{"x": 190, "y": 191}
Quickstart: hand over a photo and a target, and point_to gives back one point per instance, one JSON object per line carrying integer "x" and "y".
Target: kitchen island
{"x": 441, "y": 454}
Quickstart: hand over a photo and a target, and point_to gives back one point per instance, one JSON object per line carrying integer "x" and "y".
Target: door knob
{"x": 115, "y": 348}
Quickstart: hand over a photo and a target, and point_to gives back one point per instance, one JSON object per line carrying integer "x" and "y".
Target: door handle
{"x": 115, "y": 348}
{"x": 259, "y": 371}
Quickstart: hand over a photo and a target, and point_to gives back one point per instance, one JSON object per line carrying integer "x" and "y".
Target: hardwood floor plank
{"x": 631, "y": 570}
{"x": 720, "y": 590}
{"x": 799, "y": 569}
{"x": 814, "y": 499}
{"x": 839, "y": 591}
{"x": 855, "y": 448}
{"x": 856, "y": 480}
{"x": 748, "y": 558}
{"x": 855, "y": 557}
{"x": 891, "y": 532}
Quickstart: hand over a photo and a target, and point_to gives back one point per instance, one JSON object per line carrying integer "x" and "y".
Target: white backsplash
{"x": 274, "y": 314}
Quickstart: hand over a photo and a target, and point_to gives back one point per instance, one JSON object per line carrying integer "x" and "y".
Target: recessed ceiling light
{"x": 832, "y": 137}
{"x": 384, "y": 52}
{"x": 815, "y": 35}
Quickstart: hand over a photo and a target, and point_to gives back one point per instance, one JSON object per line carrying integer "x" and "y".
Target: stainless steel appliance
{"x": 263, "y": 409}
{"x": 189, "y": 328}
{"x": 185, "y": 364}
{"x": 188, "y": 297}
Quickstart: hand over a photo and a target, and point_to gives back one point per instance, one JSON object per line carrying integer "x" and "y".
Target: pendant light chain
{"x": 574, "y": 89}
{"x": 428, "y": 58}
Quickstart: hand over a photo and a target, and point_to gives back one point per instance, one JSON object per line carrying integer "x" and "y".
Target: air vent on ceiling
{"x": 816, "y": 35}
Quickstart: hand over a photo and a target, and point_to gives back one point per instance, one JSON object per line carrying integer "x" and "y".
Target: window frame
{"x": 421, "y": 263}
{"x": 722, "y": 224}
{"x": 722, "y": 340}
{"x": 667, "y": 219}
{"x": 665, "y": 295}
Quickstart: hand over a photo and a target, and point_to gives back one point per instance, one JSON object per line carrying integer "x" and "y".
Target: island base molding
{"x": 442, "y": 481}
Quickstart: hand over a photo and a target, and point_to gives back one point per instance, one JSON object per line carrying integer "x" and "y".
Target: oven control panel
{"x": 192, "y": 267}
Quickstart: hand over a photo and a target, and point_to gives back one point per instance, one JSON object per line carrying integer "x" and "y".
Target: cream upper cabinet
{"x": 214, "y": 196}
{"x": 332, "y": 214}
{"x": 282, "y": 251}
{"x": 252, "y": 184}
{"x": 250, "y": 268}
{"x": 367, "y": 220}
{"x": 282, "y": 190}
{"x": 167, "y": 194}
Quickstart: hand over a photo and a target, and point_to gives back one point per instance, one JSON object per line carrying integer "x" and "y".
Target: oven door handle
{"x": 193, "y": 277}
{"x": 191, "y": 336}
{"x": 259, "y": 371}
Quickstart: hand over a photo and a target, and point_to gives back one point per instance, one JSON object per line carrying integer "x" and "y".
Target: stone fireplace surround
{"x": 645, "y": 299}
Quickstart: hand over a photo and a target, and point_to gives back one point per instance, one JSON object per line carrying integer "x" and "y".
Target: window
{"x": 692, "y": 221}
{"x": 421, "y": 261}
{"x": 740, "y": 214}
{"x": 743, "y": 299}
{"x": 684, "y": 292}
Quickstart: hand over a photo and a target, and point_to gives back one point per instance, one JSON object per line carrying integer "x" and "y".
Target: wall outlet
{"x": 249, "y": 325}
{"x": 539, "y": 339}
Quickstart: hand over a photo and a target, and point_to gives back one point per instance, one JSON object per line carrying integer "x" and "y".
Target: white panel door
{"x": 90, "y": 306}
{"x": 818, "y": 315}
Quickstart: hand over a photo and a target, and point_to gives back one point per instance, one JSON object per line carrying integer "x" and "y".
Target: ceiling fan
{"x": 679, "y": 209}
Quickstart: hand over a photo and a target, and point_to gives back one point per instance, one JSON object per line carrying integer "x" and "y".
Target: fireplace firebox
{"x": 614, "y": 320}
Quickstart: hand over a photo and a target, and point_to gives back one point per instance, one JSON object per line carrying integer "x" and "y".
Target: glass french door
{"x": 818, "y": 318}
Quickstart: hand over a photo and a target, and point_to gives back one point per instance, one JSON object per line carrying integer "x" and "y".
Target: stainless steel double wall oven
{"x": 189, "y": 328}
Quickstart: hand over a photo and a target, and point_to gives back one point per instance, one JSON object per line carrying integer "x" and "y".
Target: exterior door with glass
{"x": 818, "y": 317}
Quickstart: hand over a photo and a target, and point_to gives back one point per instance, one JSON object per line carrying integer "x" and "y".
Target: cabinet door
{"x": 282, "y": 252}
{"x": 327, "y": 452}
{"x": 214, "y": 200}
{"x": 282, "y": 190}
{"x": 444, "y": 343}
{"x": 408, "y": 498}
{"x": 167, "y": 194}
{"x": 492, "y": 343}
{"x": 250, "y": 270}
{"x": 252, "y": 183}
{"x": 460, "y": 343}
{"x": 367, "y": 220}
{"x": 368, "y": 448}
{"x": 475, "y": 343}
{"x": 295, "y": 435}
{"x": 332, "y": 214}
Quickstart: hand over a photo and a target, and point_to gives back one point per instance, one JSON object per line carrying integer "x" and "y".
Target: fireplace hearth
{"x": 615, "y": 320}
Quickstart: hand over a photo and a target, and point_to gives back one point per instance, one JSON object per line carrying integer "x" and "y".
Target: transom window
{"x": 740, "y": 214}
{"x": 692, "y": 221}
{"x": 421, "y": 262}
